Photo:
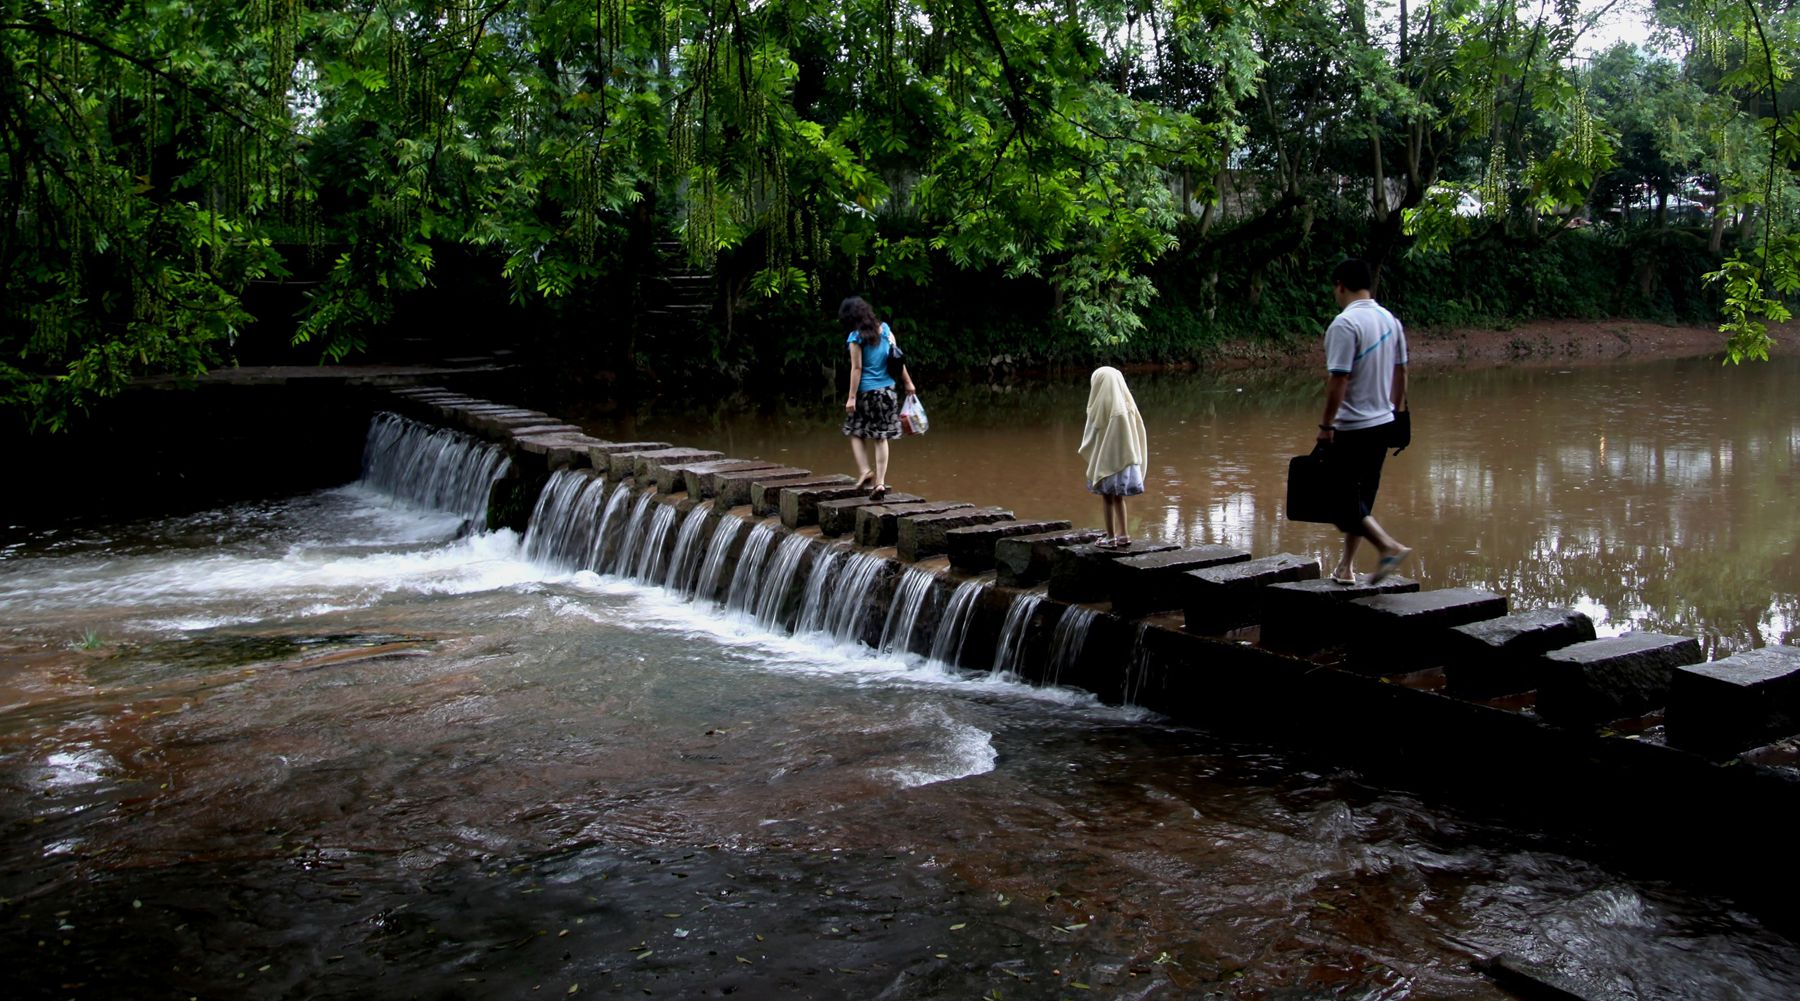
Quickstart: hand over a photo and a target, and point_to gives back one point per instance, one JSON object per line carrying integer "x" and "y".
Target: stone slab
{"x": 695, "y": 481}
{"x": 922, "y": 536}
{"x": 1304, "y": 615}
{"x": 971, "y": 548}
{"x": 1077, "y": 573}
{"x": 733, "y": 488}
{"x": 1394, "y": 633}
{"x": 671, "y": 477}
{"x": 1611, "y": 678}
{"x": 799, "y": 506}
{"x": 1024, "y": 560}
{"x": 1225, "y": 597}
{"x": 647, "y": 464}
{"x": 622, "y": 463}
{"x": 838, "y": 517}
{"x": 765, "y": 491}
{"x": 542, "y": 444}
{"x": 1143, "y": 584}
{"x": 878, "y": 525}
{"x": 1736, "y": 703}
{"x": 1500, "y": 656}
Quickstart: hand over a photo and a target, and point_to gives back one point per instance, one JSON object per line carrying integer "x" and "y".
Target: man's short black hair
{"x": 1354, "y": 274}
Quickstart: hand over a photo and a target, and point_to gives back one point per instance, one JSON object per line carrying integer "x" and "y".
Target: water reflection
{"x": 1653, "y": 495}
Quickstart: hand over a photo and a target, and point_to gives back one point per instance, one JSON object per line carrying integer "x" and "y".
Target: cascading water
{"x": 748, "y": 576}
{"x": 1139, "y": 668}
{"x": 1067, "y": 640}
{"x": 903, "y": 612}
{"x": 651, "y": 553}
{"x": 561, "y": 529}
{"x": 1012, "y": 632}
{"x": 953, "y": 631}
{"x": 815, "y": 601}
{"x": 778, "y": 581}
{"x": 706, "y": 586}
{"x": 632, "y": 534}
{"x": 847, "y": 606}
{"x": 686, "y": 559}
{"x": 432, "y": 467}
{"x": 602, "y": 538}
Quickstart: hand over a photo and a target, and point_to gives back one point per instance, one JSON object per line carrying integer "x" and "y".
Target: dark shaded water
{"x": 325, "y": 747}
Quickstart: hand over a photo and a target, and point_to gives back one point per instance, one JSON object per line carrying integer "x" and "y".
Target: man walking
{"x": 1365, "y": 361}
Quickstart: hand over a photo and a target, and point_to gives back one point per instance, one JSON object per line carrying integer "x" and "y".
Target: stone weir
{"x": 1671, "y": 761}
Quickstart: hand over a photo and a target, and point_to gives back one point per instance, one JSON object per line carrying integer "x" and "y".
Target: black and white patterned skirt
{"x": 877, "y": 415}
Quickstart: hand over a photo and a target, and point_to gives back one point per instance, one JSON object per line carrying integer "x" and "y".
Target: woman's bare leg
{"x": 881, "y": 462}
{"x": 862, "y": 458}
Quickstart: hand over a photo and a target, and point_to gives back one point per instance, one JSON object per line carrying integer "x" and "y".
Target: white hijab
{"x": 1114, "y": 435}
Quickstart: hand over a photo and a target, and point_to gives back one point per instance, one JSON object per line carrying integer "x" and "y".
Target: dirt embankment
{"x": 1559, "y": 343}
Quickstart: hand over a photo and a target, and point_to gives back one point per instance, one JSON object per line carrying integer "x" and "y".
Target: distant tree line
{"x": 686, "y": 186}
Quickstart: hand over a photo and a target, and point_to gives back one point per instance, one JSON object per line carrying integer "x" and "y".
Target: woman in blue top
{"x": 871, "y": 411}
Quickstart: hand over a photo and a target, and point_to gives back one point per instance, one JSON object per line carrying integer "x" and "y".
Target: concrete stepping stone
{"x": 732, "y": 488}
{"x": 600, "y": 451}
{"x": 765, "y": 493}
{"x": 1143, "y": 584}
{"x": 1305, "y": 615}
{"x": 1077, "y": 573}
{"x": 878, "y": 525}
{"x": 1392, "y": 633}
{"x": 1024, "y": 560}
{"x": 560, "y": 451}
{"x": 838, "y": 517}
{"x": 971, "y": 548}
{"x": 1608, "y": 679}
{"x": 921, "y": 536}
{"x": 1221, "y": 598}
{"x": 647, "y": 464}
{"x": 671, "y": 477}
{"x": 695, "y": 479}
{"x": 1500, "y": 656}
{"x": 621, "y": 463}
{"x": 799, "y": 505}
{"x": 1736, "y": 703}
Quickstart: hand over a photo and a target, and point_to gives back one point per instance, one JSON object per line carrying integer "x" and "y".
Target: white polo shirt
{"x": 1367, "y": 343}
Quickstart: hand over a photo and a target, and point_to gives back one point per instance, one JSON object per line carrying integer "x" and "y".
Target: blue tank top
{"x": 874, "y": 358}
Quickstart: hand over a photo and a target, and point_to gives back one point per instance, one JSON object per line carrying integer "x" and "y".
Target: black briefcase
{"x": 1314, "y": 493}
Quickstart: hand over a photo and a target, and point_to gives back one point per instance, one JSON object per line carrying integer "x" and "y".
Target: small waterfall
{"x": 847, "y": 606}
{"x": 713, "y": 566}
{"x": 432, "y": 467}
{"x": 560, "y": 531}
{"x": 651, "y": 553}
{"x": 633, "y": 533}
{"x": 1012, "y": 631}
{"x": 1067, "y": 640}
{"x": 903, "y": 613}
{"x": 686, "y": 558}
{"x": 614, "y": 502}
{"x": 749, "y": 568}
{"x": 815, "y": 601}
{"x": 946, "y": 646}
{"x": 778, "y": 580}
{"x": 1138, "y": 671}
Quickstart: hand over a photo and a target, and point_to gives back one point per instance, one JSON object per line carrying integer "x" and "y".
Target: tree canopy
{"x": 162, "y": 162}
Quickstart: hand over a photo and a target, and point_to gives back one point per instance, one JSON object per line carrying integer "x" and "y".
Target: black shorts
{"x": 1357, "y": 456}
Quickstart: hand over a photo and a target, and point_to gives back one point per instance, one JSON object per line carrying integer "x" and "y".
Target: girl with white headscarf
{"x": 1113, "y": 445}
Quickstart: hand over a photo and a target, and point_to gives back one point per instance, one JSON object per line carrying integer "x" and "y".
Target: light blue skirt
{"x": 1127, "y": 482}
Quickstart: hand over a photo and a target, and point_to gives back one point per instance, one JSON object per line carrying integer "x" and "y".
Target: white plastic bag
{"x": 912, "y": 417}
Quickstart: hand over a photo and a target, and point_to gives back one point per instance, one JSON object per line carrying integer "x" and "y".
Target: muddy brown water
{"x": 328, "y": 746}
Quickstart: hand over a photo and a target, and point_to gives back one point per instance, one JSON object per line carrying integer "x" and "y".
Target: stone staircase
{"x": 675, "y": 292}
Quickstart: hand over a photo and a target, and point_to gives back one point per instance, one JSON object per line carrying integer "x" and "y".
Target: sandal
{"x": 879, "y": 492}
{"x": 864, "y": 481}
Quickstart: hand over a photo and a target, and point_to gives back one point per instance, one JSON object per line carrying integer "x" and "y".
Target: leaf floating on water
{"x": 744, "y": 961}
{"x": 681, "y": 933}
{"x": 959, "y": 927}
{"x": 759, "y": 936}
{"x": 671, "y": 915}
{"x": 941, "y": 955}
{"x": 573, "y": 988}
{"x": 1078, "y": 985}
{"x": 1324, "y": 905}
{"x": 646, "y": 954}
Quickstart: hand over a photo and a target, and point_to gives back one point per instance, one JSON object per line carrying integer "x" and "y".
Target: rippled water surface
{"x": 335, "y": 746}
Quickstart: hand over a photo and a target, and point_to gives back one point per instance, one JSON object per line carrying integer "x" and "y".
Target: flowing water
{"x": 1654, "y": 496}
{"x": 339, "y": 746}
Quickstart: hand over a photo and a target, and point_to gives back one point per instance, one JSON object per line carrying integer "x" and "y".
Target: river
{"x": 335, "y": 745}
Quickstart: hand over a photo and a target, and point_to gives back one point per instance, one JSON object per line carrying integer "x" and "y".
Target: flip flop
{"x": 1349, "y": 581}
{"x": 1388, "y": 565}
